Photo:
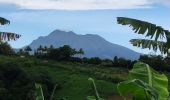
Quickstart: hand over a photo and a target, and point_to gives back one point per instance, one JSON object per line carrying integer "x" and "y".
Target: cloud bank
{"x": 84, "y": 4}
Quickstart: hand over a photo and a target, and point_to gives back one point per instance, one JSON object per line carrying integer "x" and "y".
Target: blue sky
{"x": 34, "y": 18}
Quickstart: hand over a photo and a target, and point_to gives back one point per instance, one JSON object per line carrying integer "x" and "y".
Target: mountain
{"x": 93, "y": 45}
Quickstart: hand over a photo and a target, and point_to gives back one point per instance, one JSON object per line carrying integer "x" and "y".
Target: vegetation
{"x": 68, "y": 77}
{"x": 27, "y": 50}
{"x": 59, "y": 71}
{"x": 7, "y": 35}
{"x": 153, "y": 31}
{"x": 6, "y": 49}
{"x": 144, "y": 83}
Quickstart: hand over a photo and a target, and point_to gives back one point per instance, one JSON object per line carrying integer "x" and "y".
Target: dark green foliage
{"x": 144, "y": 83}
{"x": 80, "y": 52}
{"x": 4, "y": 21}
{"x": 76, "y": 60}
{"x": 151, "y": 44}
{"x": 69, "y": 77}
{"x": 95, "y": 60}
{"x": 64, "y": 53}
{"x": 142, "y": 27}
{"x": 5, "y": 49}
{"x": 47, "y": 84}
{"x": 150, "y": 30}
{"x": 157, "y": 62}
{"x": 116, "y": 61}
{"x": 28, "y": 48}
{"x": 15, "y": 83}
{"x": 122, "y": 62}
{"x": 21, "y": 52}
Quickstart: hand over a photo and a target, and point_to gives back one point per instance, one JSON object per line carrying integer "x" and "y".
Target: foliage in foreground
{"x": 7, "y": 35}
{"x": 39, "y": 92}
{"x": 150, "y": 30}
{"x": 96, "y": 97}
{"x": 144, "y": 83}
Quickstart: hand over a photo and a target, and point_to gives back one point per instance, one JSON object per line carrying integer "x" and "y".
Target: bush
{"x": 15, "y": 82}
{"x": 5, "y": 49}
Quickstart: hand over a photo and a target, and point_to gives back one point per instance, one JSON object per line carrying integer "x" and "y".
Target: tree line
{"x": 66, "y": 53}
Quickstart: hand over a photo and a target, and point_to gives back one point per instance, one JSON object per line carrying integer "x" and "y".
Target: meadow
{"x": 72, "y": 79}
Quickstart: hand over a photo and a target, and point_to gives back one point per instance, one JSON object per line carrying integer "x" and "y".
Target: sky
{"x": 34, "y": 18}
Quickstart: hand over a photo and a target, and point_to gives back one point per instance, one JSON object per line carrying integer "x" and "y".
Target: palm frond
{"x": 142, "y": 27}
{"x": 7, "y": 36}
{"x": 4, "y": 21}
{"x": 151, "y": 44}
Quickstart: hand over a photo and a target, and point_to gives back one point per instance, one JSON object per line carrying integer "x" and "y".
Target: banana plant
{"x": 39, "y": 92}
{"x": 7, "y": 35}
{"x": 144, "y": 83}
{"x": 159, "y": 37}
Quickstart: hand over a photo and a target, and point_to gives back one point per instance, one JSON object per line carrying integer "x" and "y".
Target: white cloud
{"x": 82, "y": 4}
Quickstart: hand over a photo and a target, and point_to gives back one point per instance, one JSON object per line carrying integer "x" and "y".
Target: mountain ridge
{"x": 93, "y": 45}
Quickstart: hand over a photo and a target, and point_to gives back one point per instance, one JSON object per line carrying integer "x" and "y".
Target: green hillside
{"x": 71, "y": 78}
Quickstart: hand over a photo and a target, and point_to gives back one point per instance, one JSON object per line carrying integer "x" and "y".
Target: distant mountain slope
{"x": 93, "y": 45}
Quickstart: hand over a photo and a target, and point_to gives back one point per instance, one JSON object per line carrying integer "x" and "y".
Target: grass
{"x": 73, "y": 78}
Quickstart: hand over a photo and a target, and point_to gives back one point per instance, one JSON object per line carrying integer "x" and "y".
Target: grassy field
{"x": 73, "y": 78}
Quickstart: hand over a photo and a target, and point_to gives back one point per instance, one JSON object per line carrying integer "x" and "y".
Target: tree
{"x": 81, "y": 52}
{"x": 21, "y": 51}
{"x": 51, "y": 46}
{"x": 39, "y": 49}
{"x": 45, "y": 49}
{"x": 61, "y": 53}
{"x": 5, "y": 49}
{"x": 156, "y": 34}
{"x": 66, "y": 52}
{"x": 28, "y": 49}
{"x": 115, "y": 61}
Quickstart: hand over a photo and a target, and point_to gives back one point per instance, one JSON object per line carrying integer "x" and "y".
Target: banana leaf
{"x": 96, "y": 97}
{"x": 144, "y": 83}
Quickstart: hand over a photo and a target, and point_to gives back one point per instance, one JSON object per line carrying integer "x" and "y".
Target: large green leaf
{"x": 142, "y": 27}
{"x": 151, "y": 44}
{"x": 144, "y": 83}
{"x": 149, "y": 30}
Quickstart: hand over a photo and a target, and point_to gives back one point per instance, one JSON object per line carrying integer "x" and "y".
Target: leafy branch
{"x": 149, "y": 30}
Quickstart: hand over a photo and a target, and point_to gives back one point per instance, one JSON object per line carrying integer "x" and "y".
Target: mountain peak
{"x": 61, "y": 32}
{"x": 93, "y": 45}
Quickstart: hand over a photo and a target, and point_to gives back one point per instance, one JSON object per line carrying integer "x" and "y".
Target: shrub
{"x": 15, "y": 82}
